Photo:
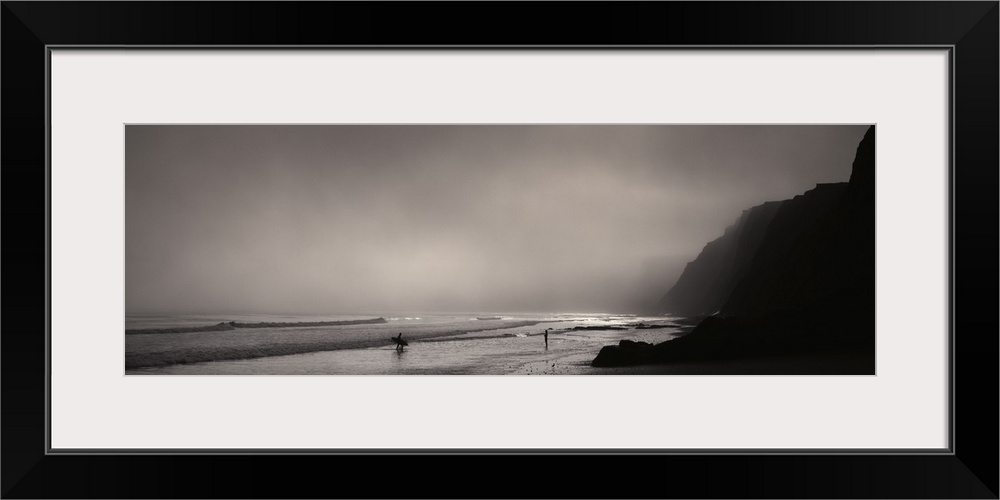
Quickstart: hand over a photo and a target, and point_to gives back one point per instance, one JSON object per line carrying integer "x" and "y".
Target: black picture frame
{"x": 968, "y": 29}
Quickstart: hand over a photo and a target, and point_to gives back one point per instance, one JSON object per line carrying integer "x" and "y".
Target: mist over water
{"x": 353, "y": 219}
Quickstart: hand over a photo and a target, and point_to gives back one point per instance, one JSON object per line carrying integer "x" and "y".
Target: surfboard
{"x": 399, "y": 341}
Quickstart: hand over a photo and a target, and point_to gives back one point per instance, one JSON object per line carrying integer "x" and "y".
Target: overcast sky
{"x": 379, "y": 219}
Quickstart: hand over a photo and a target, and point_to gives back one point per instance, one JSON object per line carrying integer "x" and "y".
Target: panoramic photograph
{"x": 499, "y": 250}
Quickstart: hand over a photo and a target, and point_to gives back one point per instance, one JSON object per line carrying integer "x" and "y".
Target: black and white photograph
{"x": 660, "y": 249}
{"x": 480, "y": 249}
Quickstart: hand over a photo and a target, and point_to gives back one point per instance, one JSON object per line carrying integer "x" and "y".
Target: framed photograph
{"x": 280, "y": 235}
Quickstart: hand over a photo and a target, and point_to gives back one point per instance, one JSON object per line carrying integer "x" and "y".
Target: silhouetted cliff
{"x": 707, "y": 281}
{"x": 819, "y": 251}
{"x": 816, "y": 247}
{"x": 788, "y": 277}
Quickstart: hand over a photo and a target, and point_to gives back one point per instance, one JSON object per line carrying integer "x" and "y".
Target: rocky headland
{"x": 792, "y": 276}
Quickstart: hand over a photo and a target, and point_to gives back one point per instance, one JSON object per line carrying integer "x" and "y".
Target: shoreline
{"x": 189, "y": 347}
{"x": 449, "y": 347}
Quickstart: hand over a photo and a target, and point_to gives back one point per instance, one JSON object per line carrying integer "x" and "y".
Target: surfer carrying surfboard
{"x": 400, "y": 343}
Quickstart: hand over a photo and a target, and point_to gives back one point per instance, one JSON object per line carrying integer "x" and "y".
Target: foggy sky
{"x": 379, "y": 219}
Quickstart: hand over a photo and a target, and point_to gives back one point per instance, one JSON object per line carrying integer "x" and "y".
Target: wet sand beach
{"x": 490, "y": 348}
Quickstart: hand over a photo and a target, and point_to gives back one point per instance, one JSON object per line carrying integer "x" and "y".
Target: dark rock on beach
{"x": 627, "y": 352}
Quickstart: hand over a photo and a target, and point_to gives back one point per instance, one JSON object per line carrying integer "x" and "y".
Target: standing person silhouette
{"x": 546, "y": 338}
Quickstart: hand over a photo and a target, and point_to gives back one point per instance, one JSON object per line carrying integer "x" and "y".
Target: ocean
{"x": 438, "y": 343}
